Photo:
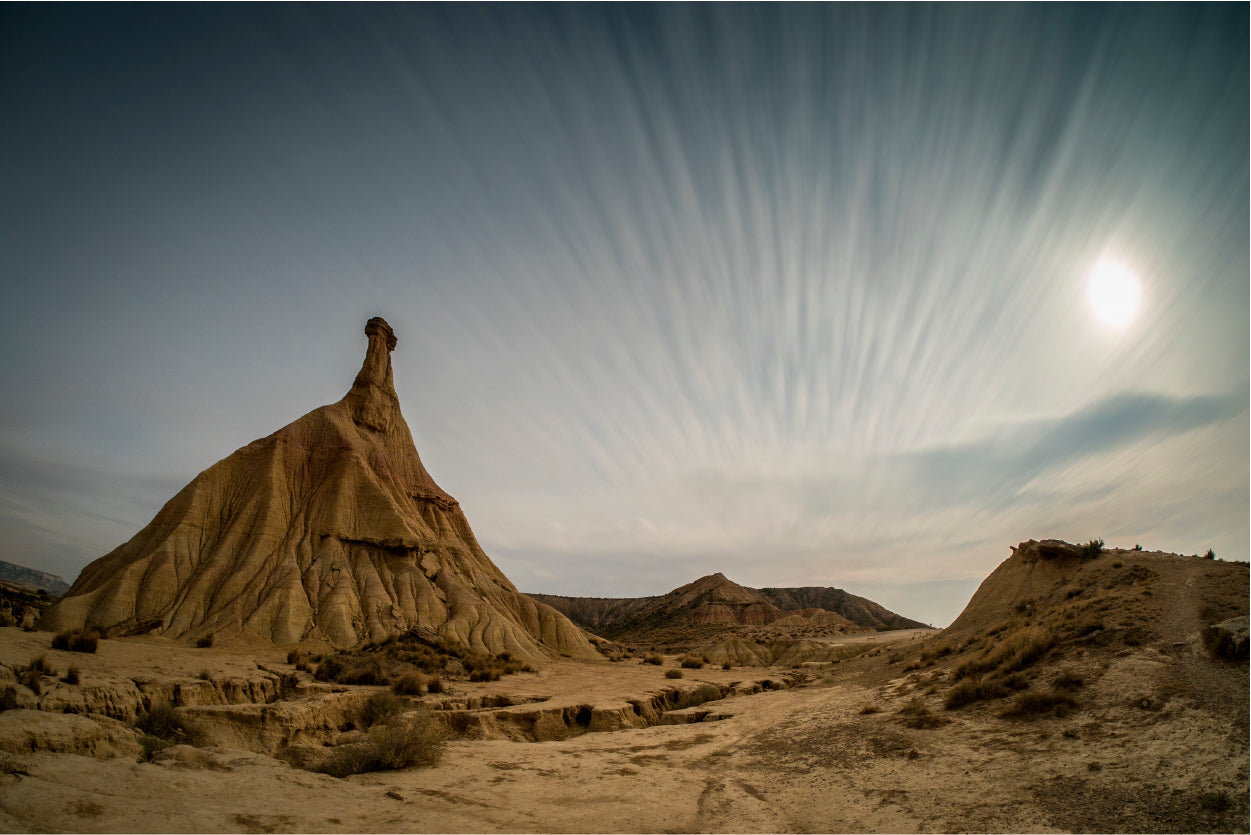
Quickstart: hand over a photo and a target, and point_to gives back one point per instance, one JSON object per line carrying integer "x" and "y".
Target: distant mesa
{"x": 33, "y": 579}
{"x": 330, "y": 529}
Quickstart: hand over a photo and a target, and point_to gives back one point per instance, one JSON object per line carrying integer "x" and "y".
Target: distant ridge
{"x": 32, "y": 578}
{"x": 716, "y": 601}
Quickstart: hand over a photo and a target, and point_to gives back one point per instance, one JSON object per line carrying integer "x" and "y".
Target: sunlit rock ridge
{"x": 330, "y": 528}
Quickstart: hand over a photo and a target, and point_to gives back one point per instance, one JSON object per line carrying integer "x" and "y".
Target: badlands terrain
{"x": 309, "y": 638}
{"x": 1101, "y": 708}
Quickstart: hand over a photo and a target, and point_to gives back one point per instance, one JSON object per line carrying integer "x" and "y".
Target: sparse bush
{"x": 972, "y": 690}
{"x": 726, "y": 665}
{"x": 205, "y": 675}
{"x": 654, "y": 659}
{"x": 919, "y": 716}
{"x": 434, "y": 685}
{"x": 6, "y": 618}
{"x": 381, "y": 707}
{"x": 72, "y": 676}
{"x": 868, "y": 709}
{"x": 1067, "y": 680}
{"x": 691, "y": 662}
{"x": 159, "y": 721}
{"x": 673, "y": 674}
{"x": 1222, "y": 646}
{"x": 294, "y": 656}
{"x": 205, "y": 642}
{"x": 1092, "y": 549}
{"x": 410, "y": 684}
{"x": 1032, "y": 704}
{"x": 484, "y": 675}
{"x": 76, "y": 640}
{"x": 416, "y": 740}
{"x": 151, "y": 746}
{"x": 1210, "y": 555}
{"x": 42, "y": 666}
{"x": 1137, "y": 547}
{"x": 31, "y": 679}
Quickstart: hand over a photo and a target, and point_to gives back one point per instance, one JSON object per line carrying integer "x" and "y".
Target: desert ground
{"x": 1158, "y": 741}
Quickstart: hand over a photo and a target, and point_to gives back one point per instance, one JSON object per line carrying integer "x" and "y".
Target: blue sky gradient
{"x": 794, "y": 293}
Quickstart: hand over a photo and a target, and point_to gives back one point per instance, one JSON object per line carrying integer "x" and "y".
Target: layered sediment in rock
{"x": 330, "y": 528}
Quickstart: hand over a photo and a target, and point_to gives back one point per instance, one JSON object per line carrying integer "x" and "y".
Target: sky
{"x": 796, "y": 293}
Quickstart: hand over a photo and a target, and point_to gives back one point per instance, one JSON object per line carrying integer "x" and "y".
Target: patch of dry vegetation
{"x": 415, "y": 739}
{"x": 77, "y": 640}
{"x": 398, "y": 658}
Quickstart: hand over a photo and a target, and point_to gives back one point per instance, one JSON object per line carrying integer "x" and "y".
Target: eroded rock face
{"x": 331, "y": 529}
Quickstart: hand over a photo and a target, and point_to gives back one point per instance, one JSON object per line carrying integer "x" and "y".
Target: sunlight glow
{"x": 1114, "y": 292}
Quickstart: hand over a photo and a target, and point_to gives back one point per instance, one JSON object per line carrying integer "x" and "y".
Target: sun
{"x": 1114, "y": 292}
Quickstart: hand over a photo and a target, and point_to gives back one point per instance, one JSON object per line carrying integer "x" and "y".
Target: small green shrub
{"x": 1210, "y": 555}
{"x": 1092, "y": 549}
{"x": 673, "y": 674}
{"x": 381, "y": 707}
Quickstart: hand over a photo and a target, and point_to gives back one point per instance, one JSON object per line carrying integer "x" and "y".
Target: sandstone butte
{"x": 330, "y": 529}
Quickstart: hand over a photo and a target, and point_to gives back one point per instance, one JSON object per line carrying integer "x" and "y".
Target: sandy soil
{"x": 805, "y": 759}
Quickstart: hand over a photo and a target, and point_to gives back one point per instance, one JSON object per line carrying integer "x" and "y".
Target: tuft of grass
{"x": 1067, "y": 680}
{"x": 205, "y": 642}
{"x": 1137, "y": 547}
{"x": 381, "y": 707}
{"x": 869, "y": 709}
{"x": 42, "y": 666}
{"x": 673, "y": 674}
{"x": 417, "y": 740}
{"x": 918, "y": 715}
{"x": 654, "y": 659}
{"x": 1092, "y": 549}
{"x": 205, "y": 675}
{"x": 72, "y": 676}
{"x": 162, "y": 727}
{"x": 726, "y": 665}
{"x": 971, "y": 690}
{"x": 76, "y": 640}
{"x": 1032, "y": 704}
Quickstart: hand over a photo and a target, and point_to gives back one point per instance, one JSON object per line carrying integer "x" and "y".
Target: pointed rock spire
{"x": 330, "y": 529}
{"x": 372, "y": 399}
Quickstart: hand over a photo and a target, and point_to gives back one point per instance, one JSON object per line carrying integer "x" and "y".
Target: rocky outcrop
{"x": 26, "y": 731}
{"x": 329, "y": 529}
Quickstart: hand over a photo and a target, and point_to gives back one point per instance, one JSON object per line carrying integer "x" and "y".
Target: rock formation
{"x": 331, "y": 529}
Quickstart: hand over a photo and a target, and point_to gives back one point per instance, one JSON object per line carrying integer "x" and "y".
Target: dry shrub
{"x": 1067, "y": 680}
{"x": 691, "y": 662}
{"x": 410, "y": 684}
{"x": 294, "y": 656}
{"x": 205, "y": 642}
{"x": 918, "y": 714}
{"x": 42, "y": 666}
{"x": 654, "y": 659}
{"x": 434, "y": 685}
{"x": 72, "y": 676}
{"x": 76, "y": 640}
{"x": 726, "y": 665}
{"x": 416, "y": 740}
{"x": 1222, "y": 646}
{"x": 972, "y": 690}
{"x": 869, "y": 709}
{"x": 381, "y": 707}
{"x": 162, "y": 727}
{"x": 1032, "y": 704}
{"x": 673, "y": 674}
